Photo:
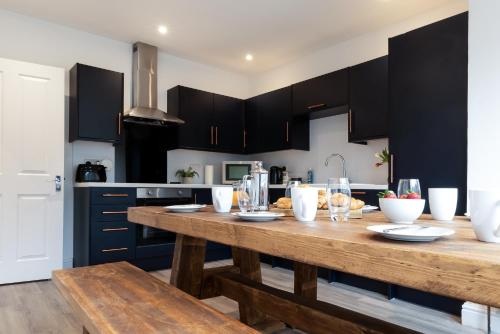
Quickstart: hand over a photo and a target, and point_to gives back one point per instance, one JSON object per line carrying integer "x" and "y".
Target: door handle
{"x": 115, "y": 229}
{"x": 114, "y": 212}
{"x": 58, "y": 181}
{"x": 216, "y": 135}
{"x": 358, "y": 192}
{"x": 391, "y": 169}
{"x": 315, "y": 106}
{"x": 287, "y": 131}
{"x": 114, "y": 195}
{"x": 109, "y": 250}
{"x": 244, "y": 138}
{"x": 211, "y": 135}
{"x": 350, "y": 120}
{"x": 119, "y": 123}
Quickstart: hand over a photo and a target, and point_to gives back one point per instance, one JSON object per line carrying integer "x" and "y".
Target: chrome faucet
{"x": 344, "y": 171}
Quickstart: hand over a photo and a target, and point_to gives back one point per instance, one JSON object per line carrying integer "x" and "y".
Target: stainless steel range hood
{"x": 144, "y": 89}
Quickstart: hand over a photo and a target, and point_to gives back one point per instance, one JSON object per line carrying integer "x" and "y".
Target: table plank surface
{"x": 459, "y": 266}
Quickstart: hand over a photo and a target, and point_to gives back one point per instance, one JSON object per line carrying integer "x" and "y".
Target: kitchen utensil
{"x": 443, "y": 203}
{"x": 259, "y": 216}
{"x": 407, "y": 186}
{"x": 259, "y": 188}
{"x": 304, "y": 203}
{"x": 402, "y": 211}
{"x": 411, "y": 232}
{"x": 222, "y": 198}
{"x": 89, "y": 172}
{"x": 485, "y": 214}
{"x": 184, "y": 208}
{"x": 338, "y": 196}
{"x": 276, "y": 175}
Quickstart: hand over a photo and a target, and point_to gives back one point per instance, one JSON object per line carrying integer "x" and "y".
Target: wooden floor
{"x": 37, "y": 307}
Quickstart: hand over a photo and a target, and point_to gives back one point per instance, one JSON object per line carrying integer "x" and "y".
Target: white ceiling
{"x": 221, "y": 32}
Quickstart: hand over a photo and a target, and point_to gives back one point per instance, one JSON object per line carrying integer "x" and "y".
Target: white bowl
{"x": 402, "y": 211}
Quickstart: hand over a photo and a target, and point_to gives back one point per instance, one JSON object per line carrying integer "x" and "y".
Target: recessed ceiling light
{"x": 162, "y": 29}
{"x": 249, "y": 57}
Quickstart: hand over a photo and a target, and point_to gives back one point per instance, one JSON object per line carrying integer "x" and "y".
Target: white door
{"x": 31, "y": 158}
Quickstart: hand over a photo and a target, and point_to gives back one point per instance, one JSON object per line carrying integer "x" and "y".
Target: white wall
{"x": 484, "y": 98}
{"x": 330, "y": 135}
{"x": 27, "y": 39}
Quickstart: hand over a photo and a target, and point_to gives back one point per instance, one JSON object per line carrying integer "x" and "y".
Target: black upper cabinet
{"x": 428, "y": 106}
{"x": 324, "y": 92}
{"x": 368, "y": 100}
{"x": 228, "y": 120}
{"x": 271, "y": 125}
{"x": 213, "y": 122}
{"x": 195, "y": 107}
{"x": 96, "y": 104}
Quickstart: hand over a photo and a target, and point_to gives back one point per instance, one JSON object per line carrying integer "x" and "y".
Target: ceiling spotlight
{"x": 249, "y": 57}
{"x": 162, "y": 30}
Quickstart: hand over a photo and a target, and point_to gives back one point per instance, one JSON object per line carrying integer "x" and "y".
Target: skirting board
{"x": 476, "y": 316}
{"x": 68, "y": 263}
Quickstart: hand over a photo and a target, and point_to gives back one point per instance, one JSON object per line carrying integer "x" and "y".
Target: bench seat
{"x": 120, "y": 298}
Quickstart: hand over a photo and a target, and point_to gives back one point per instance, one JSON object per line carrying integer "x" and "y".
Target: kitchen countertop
{"x": 206, "y": 186}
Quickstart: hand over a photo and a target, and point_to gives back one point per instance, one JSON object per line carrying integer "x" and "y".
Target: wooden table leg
{"x": 187, "y": 265}
{"x": 249, "y": 264}
{"x": 305, "y": 280}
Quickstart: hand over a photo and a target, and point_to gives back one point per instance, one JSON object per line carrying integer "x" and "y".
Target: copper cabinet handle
{"x": 287, "y": 131}
{"x": 244, "y": 138}
{"x": 314, "y": 106}
{"x": 115, "y": 229}
{"x": 113, "y": 212}
{"x": 391, "y": 169}
{"x": 110, "y": 250}
{"x": 114, "y": 195}
{"x": 119, "y": 123}
{"x": 358, "y": 192}
{"x": 211, "y": 135}
{"x": 216, "y": 135}
{"x": 350, "y": 120}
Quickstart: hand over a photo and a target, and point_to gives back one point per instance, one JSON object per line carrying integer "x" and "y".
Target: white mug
{"x": 443, "y": 203}
{"x": 304, "y": 203}
{"x": 222, "y": 198}
{"x": 485, "y": 214}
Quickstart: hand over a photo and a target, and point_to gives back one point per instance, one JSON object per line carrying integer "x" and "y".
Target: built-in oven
{"x": 151, "y": 241}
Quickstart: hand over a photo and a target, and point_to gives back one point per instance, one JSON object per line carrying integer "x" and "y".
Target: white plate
{"x": 369, "y": 208}
{"x": 185, "y": 207}
{"x": 411, "y": 232}
{"x": 261, "y": 216}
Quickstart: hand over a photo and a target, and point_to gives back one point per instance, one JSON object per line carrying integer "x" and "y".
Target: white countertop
{"x": 208, "y": 186}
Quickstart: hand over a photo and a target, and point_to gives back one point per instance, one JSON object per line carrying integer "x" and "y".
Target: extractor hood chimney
{"x": 144, "y": 89}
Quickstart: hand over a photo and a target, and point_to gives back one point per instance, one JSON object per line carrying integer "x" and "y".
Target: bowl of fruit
{"x": 404, "y": 209}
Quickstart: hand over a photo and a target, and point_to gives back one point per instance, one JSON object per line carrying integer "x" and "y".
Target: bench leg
{"x": 305, "y": 281}
{"x": 249, "y": 264}
{"x": 187, "y": 265}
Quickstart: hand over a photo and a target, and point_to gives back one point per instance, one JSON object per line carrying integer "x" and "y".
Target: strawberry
{"x": 404, "y": 196}
{"x": 413, "y": 195}
{"x": 387, "y": 194}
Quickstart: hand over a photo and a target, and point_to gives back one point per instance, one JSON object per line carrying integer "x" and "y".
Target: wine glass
{"x": 245, "y": 200}
{"x": 291, "y": 184}
{"x": 407, "y": 186}
{"x": 338, "y": 197}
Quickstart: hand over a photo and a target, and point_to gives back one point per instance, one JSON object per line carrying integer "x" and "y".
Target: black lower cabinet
{"x": 102, "y": 233}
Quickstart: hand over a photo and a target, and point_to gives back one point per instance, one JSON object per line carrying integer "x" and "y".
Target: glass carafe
{"x": 259, "y": 178}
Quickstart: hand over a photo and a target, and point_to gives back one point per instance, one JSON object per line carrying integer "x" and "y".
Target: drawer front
{"x": 106, "y": 213}
{"x": 112, "y": 241}
{"x": 113, "y": 196}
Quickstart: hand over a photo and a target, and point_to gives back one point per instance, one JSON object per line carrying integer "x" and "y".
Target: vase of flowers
{"x": 187, "y": 175}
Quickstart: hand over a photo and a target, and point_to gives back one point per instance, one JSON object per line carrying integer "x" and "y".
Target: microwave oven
{"x": 233, "y": 171}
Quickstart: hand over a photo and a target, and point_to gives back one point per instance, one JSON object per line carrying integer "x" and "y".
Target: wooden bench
{"x": 120, "y": 298}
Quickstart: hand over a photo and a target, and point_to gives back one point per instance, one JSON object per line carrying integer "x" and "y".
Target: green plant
{"x": 383, "y": 157}
{"x": 190, "y": 172}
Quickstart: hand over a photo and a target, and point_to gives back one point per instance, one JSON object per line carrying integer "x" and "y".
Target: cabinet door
{"x": 228, "y": 121}
{"x": 323, "y": 92}
{"x": 96, "y": 103}
{"x": 428, "y": 106}
{"x": 275, "y": 119}
{"x": 196, "y": 109}
{"x": 368, "y": 100}
{"x": 252, "y": 138}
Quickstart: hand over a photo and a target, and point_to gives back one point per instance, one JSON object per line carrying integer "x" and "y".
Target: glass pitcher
{"x": 259, "y": 187}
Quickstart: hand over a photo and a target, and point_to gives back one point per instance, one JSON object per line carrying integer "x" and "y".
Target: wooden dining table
{"x": 457, "y": 266}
